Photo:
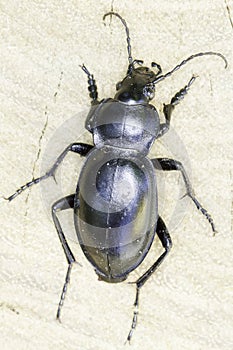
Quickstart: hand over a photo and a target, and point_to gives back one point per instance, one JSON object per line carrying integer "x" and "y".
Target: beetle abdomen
{"x": 117, "y": 210}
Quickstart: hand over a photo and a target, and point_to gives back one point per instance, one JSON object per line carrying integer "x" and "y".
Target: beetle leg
{"x": 165, "y": 239}
{"x": 171, "y": 164}
{"x": 80, "y": 148}
{"x": 63, "y": 204}
{"x": 92, "y": 87}
{"x": 168, "y": 109}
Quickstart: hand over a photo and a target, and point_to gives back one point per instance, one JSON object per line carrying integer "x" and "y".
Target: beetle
{"x": 116, "y": 201}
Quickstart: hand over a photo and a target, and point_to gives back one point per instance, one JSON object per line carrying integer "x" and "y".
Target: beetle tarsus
{"x": 92, "y": 87}
{"x": 64, "y": 292}
{"x": 26, "y": 186}
{"x": 180, "y": 95}
{"x": 135, "y": 316}
{"x": 204, "y": 212}
{"x": 168, "y": 108}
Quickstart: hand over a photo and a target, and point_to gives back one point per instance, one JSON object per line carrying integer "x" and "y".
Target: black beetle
{"x": 115, "y": 204}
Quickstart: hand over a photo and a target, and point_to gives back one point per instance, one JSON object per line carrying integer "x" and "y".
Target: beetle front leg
{"x": 92, "y": 87}
{"x": 80, "y": 148}
{"x": 168, "y": 109}
{"x": 63, "y": 204}
{"x": 166, "y": 241}
{"x": 171, "y": 164}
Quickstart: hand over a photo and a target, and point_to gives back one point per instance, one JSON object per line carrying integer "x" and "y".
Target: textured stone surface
{"x": 188, "y": 303}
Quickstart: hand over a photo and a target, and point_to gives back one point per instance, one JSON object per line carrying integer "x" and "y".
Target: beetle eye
{"x": 149, "y": 91}
{"x": 118, "y": 85}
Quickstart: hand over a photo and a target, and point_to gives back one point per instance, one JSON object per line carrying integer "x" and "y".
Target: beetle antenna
{"x": 130, "y": 59}
{"x": 162, "y": 77}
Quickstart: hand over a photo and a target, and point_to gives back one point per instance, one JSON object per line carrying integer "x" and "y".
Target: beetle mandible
{"x": 115, "y": 205}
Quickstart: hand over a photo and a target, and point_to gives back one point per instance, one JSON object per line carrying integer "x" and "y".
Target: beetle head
{"x": 138, "y": 85}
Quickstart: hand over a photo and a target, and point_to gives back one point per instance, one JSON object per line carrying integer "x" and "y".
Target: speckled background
{"x": 188, "y": 303}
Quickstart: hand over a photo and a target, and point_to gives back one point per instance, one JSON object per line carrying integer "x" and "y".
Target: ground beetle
{"x": 115, "y": 204}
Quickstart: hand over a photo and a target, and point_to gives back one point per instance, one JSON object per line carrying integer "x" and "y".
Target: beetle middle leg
{"x": 171, "y": 164}
{"x": 166, "y": 241}
{"x": 63, "y": 204}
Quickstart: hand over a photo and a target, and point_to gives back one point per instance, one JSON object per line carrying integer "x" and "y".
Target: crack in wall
{"x": 231, "y": 184}
{"x": 112, "y": 5}
{"x": 9, "y": 307}
{"x": 229, "y": 13}
{"x": 58, "y": 87}
{"x": 40, "y": 141}
{"x": 41, "y": 138}
{"x": 38, "y": 153}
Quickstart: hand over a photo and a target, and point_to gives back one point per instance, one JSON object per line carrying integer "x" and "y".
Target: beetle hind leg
{"x": 166, "y": 241}
{"x": 63, "y": 204}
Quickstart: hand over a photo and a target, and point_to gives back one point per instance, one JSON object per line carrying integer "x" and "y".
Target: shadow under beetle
{"x": 115, "y": 205}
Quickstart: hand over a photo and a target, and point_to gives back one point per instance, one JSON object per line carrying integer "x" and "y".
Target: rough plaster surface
{"x": 188, "y": 303}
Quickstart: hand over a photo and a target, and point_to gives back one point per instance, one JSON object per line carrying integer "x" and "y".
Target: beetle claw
{"x": 132, "y": 282}
{"x": 202, "y": 210}
{"x": 54, "y": 178}
{"x": 58, "y": 319}
{"x": 3, "y": 199}
{"x": 78, "y": 263}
